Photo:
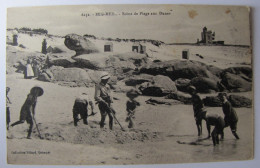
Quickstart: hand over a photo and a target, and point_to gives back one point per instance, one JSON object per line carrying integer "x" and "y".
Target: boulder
{"x": 64, "y": 62}
{"x": 79, "y": 44}
{"x": 138, "y": 79}
{"x": 239, "y": 101}
{"x": 125, "y": 64}
{"x": 46, "y": 76}
{"x": 212, "y": 101}
{"x": 136, "y": 58}
{"x": 182, "y": 84}
{"x": 159, "y": 101}
{"x": 160, "y": 86}
{"x": 214, "y": 70}
{"x": 95, "y": 61}
{"x": 204, "y": 85}
{"x": 235, "y": 100}
{"x": 70, "y": 74}
{"x": 179, "y": 69}
{"x": 235, "y": 83}
{"x": 121, "y": 66}
{"x": 180, "y": 96}
{"x": 243, "y": 72}
{"x": 117, "y": 65}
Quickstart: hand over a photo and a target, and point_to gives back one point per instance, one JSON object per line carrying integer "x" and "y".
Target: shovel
{"x": 37, "y": 128}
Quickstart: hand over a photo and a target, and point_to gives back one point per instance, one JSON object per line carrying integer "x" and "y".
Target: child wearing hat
{"x": 131, "y": 105}
{"x": 231, "y": 117}
{"x": 28, "y": 109}
{"x": 198, "y": 107}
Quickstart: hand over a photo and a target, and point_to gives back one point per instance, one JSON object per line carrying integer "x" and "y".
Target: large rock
{"x": 96, "y": 61}
{"x": 235, "y": 100}
{"x": 179, "y": 69}
{"x": 180, "y": 96}
{"x": 212, "y": 101}
{"x": 138, "y": 79}
{"x": 120, "y": 68}
{"x": 235, "y": 83}
{"x": 136, "y": 58}
{"x": 70, "y": 74}
{"x": 160, "y": 86}
{"x": 125, "y": 64}
{"x": 120, "y": 65}
{"x": 243, "y": 72}
{"x": 182, "y": 84}
{"x": 79, "y": 44}
{"x": 46, "y": 76}
{"x": 214, "y": 70}
{"x": 204, "y": 85}
{"x": 64, "y": 62}
{"x": 159, "y": 101}
{"x": 239, "y": 101}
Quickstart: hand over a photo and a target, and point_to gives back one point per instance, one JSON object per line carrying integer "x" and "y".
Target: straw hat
{"x": 38, "y": 89}
{"x": 104, "y": 75}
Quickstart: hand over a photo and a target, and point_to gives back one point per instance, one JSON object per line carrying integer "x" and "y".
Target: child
{"x": 230, "y": 118}
{"x": 7, "y": 108}
{"x": 198, "y": 107}
{"x": 131, "y": 106}
{"x": 28, "y": 73}
{"x": 81, "y": 108}
{"x": 28, "y": 109}
{"x": 218, "y": 122}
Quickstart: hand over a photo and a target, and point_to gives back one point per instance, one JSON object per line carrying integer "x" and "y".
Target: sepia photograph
{"x": 129, "y": 84}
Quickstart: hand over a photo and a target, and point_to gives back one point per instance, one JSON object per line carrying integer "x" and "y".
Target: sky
{"x": 182, "y": 24}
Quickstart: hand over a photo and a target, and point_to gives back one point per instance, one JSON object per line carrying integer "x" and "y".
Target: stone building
{"x": 108, "y": 47}
{"x": 207, "y": 36}
{"x": 139, "y": 48}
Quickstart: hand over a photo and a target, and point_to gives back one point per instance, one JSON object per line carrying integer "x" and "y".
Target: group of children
{"x": 81, "y": 108}
{"x": 230, "y": 116}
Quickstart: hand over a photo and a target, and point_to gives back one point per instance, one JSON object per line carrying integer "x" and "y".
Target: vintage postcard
{"x": 128, "y": 84}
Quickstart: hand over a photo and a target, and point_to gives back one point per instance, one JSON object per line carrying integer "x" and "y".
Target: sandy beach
{"x": 162, "y": 133}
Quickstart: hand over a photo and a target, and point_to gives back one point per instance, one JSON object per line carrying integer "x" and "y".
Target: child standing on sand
{"x": 131, "y": 105}
{"x": 28, "y": 109}
{"x": 231, "y": 117}
{"x": 198, "y": 107}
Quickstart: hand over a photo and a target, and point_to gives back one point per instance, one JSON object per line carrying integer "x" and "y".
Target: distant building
{"x": 186, "y": 54}
{"x": 208, "y": 37}
{"x": 108, "y": 47}
{"x": 139, "y": 48}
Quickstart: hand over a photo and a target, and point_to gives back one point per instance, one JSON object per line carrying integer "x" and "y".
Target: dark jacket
{"x": 197, "y": 104}
{"x": 131, "y": 105}
{"x": 229, "y": 112}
